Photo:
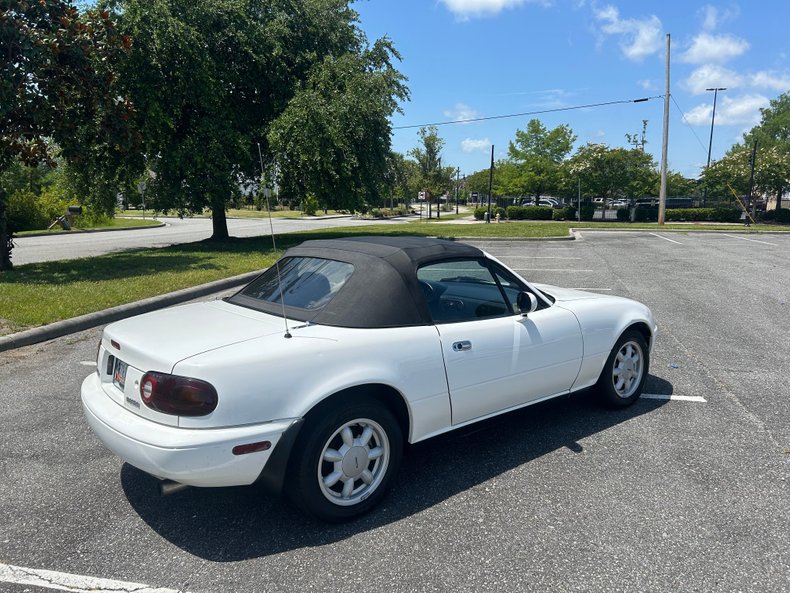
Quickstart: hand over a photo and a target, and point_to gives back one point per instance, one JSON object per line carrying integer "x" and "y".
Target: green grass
{"x": 38, "y": 294}
{"x": 232, "y": 213}
{"x": 115, "y": 223}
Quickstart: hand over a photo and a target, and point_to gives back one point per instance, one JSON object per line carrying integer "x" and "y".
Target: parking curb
{"x": 83, "y": 231}
{"x": 83, "y": 322}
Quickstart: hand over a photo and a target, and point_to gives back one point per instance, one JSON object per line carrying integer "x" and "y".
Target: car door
{"x": 496, "y": 359}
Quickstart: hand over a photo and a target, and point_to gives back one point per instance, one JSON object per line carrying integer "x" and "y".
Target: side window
{"x": 461, "y": 290}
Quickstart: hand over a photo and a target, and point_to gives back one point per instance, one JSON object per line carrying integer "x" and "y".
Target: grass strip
{"x": 115, "y": 223}
{"x": 38, "y": 294}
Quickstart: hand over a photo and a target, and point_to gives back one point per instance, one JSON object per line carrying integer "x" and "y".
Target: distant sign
{"x": 421, "y": 195}
{"x": 474, "y": 195}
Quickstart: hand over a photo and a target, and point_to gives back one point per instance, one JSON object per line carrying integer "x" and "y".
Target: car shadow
{"x": 232, "y": 524}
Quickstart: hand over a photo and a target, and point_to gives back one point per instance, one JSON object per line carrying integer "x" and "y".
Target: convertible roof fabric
{"x": 383, "y": 291}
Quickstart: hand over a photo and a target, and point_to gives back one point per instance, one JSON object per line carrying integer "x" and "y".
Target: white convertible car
{"x": 312, "y": 377}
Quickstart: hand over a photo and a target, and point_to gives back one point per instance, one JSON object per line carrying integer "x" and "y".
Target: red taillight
{"x": 181, "y": 396}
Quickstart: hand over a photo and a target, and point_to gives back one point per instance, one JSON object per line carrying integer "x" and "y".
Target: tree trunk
{"x": 219, "y": 222}
{"x": 6, "y": 242}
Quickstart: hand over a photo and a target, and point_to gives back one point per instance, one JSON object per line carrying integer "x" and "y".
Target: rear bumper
{"x": 197, "y": 457}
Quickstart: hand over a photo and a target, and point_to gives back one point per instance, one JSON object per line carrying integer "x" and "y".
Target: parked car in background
{"x": 312, "y": 378}
{"x": 550, "y": 202}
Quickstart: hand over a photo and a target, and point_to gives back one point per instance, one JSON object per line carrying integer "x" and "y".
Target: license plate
{"x": 119, "y": 374}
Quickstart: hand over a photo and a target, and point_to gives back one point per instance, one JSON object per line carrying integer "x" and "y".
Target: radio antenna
{"x": 274, "y": 245}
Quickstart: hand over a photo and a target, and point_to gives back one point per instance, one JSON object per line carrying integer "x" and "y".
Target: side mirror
{"x": 526, "y": 302}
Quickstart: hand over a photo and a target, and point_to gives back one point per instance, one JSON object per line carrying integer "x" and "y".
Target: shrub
{"x": 52, "y": 204}
{"x": 646, "y": 214}
{"x": 310, "y": 205}
{"x": 24, "y": 213}
{"x": 623, "y": 215}
{"x": 480, "y": 213}
{"x": 780, "y": 215}
{"x": 587, "y": 211}
{"x": 567, "y": 213}
{"x": 704, "y": 214}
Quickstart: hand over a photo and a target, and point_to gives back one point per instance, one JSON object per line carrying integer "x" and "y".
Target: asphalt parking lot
{"x": 687, "y": 490}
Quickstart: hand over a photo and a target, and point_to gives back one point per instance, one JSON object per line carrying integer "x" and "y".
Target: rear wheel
{"x": 345, "y": 463}
{"x": 625, "y": 371}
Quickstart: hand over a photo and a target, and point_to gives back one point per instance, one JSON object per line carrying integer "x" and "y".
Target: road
{"x": 66, "y": 246}
{"x": 687, "y": 491}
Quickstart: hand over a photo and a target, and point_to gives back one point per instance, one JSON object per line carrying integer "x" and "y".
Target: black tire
{"x": 362, "y": 470}
{"x": 624, "y": 374}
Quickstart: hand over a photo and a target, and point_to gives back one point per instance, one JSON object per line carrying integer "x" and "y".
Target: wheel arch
{"x": 384, "y": 394}
{"x": 273, "y": 475}
{"x": 644, "y": 329}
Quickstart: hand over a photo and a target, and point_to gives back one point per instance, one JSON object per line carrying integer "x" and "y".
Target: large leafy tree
{"x": 538, "y": 153}
{"x": 435, "y": 179}
{"x": 209, "y": 79}
{"x": 612, "y": 172}
{"x": 333, "y": 138}
{"x": 730, "y": 175}
{"x": 58, "y": 84}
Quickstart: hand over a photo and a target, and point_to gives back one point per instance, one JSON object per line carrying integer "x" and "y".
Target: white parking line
{"x": 537, "y": 257}
{"x": 549, "y": 270}
{"x": 680, "y": 398}
{"x": 752, "y": 240}
{"x": 88, "y": 363}
{"x": 588, "y": 288}
{"x": 63, "y": 581}
{"x": 666, "y": 239}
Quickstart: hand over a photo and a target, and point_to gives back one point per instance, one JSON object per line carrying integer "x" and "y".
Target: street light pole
{"x": 710, "y": 142}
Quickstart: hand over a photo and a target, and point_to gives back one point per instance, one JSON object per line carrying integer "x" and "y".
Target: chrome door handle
{"x": 462, "y": 346}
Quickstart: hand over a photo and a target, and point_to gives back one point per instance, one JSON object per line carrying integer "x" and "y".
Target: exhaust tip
{"x": 167, "y": 487}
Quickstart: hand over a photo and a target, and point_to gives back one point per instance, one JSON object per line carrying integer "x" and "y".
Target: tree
{"x": 57, "y": 84}
{"x": 677, "y": 185}
{"x": 729, "y": 176}
{"x": 333, "y": 138}
{"x": 538, "y": 153}
{"x": 211, "y": 78}
{"x": 612, "y": 172}
{"x": 434, "y": 178}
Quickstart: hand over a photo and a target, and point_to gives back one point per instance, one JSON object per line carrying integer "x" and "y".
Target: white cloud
{"x": 648, "y": 85}
{"x": 461, "y": 112}
{"x": 711, "y": 76}
{"x": 712, "y": 17}
{"x": 472, "y": 145}
{"x": 639, "y": 38}
{"x": 744, "y": 110}
{"x": 706, "y": 49}
{"x": 771, "y": 80}
{"x": 466, "y": 9}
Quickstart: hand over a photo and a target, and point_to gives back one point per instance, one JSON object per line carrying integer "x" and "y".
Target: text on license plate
{"x": 119, "y": 374}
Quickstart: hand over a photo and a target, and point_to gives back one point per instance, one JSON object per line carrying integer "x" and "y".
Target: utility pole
{"x": 662, "y": 194}
{"x": 710, "y": 142}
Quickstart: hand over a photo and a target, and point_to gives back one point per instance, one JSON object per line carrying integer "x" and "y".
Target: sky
{"x": 467, "y": 59}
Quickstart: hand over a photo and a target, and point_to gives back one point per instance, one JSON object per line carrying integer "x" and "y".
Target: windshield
{"x": 307, "y": 282}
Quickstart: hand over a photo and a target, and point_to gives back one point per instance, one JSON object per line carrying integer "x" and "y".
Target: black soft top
{"x": 383, "y": 291}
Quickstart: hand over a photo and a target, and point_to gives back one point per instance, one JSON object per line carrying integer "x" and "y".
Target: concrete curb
{"x": 83, "y": 322}
{"x": 83, "y": 231}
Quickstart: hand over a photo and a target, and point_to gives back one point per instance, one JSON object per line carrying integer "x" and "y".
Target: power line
{"x": 685, "y": 121}
{"x": 466, "y": 121}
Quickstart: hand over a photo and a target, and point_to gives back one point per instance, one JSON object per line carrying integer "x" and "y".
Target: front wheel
{"x": 345, "y": 463}
{"x": 625, "y": 371}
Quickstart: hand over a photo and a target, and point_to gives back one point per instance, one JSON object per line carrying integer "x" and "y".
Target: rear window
{"x": 304, "y": 282}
